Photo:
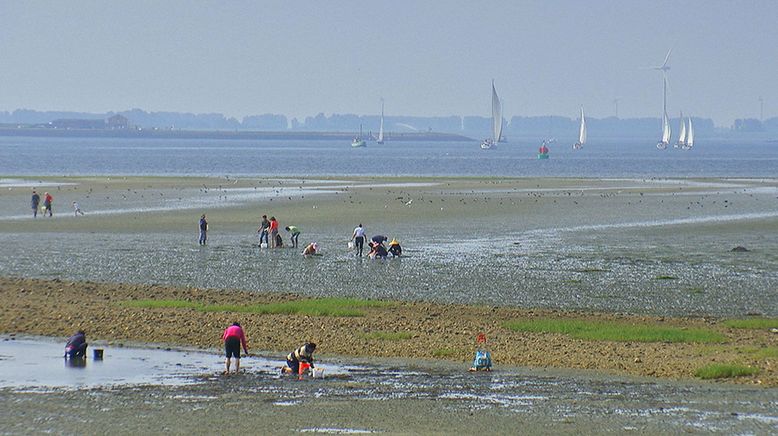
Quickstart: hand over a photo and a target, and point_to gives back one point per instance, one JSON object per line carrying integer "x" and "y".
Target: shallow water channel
{"x": 172, "y": 377}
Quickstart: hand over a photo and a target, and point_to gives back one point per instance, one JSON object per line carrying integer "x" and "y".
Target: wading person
{"x": 77, "y": 209}
{"x": 359, "y": 239}
{"x": 233, "y": 339}
{"x": 294, "y": 233}
{"x": 35, "y": 202}
{"x": 203, "y": 230}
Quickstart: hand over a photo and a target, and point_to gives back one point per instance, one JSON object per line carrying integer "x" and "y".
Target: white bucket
{"x": 350, "y": 245}
{"x": 317, "y": 373}
{"x": 263, "y": 245}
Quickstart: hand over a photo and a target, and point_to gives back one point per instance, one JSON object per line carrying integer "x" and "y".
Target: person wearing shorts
{"x": 233, "y": 339}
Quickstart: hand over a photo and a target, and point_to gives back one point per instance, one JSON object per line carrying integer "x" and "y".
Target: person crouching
{"x": 76, "y": 346}
{"x": 302, "y": 354}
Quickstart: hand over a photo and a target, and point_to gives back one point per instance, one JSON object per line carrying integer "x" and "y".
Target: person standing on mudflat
{"x": 203, "y": 230}
{"x": 359, "y": 239}
{"x": 35, "y": 202}
{"x": 47, "y": 200}
{"x": 262, "y": 230}
{"x": 273, "y": 229}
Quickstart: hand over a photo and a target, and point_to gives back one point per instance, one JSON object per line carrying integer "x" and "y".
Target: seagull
{"x": 409, "y": 202}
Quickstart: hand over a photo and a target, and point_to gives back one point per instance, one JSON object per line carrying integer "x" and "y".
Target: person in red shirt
{"x": 273, "y": 232}
{"x": 233, "y": 339}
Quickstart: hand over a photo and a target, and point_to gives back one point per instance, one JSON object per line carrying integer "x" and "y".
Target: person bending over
{"x": 76, "y": 346}
{"x": 233, "y": 339}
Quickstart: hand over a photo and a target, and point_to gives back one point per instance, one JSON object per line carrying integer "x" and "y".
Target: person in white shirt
{"x": 359, "y": 239}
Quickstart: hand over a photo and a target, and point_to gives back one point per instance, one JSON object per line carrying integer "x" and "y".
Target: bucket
{"x": 304, "y": 366}
{"x": 350, "y": 245}
{"x": 263, "y": 245}
{"x": 317, "y": 373}
{"x": 97, "y": 354}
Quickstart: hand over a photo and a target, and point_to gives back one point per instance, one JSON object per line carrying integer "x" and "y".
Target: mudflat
{"x": 401, "y": 329}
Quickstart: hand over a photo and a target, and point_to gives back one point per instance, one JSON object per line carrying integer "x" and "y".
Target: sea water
{"x": 206, "y": 157}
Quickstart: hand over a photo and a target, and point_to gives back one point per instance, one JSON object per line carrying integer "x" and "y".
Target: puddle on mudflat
{"x": 38, "y": 363}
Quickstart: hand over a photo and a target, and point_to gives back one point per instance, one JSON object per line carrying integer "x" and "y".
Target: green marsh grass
{"x": 444, "y": 352}
{"x": 752, "y": 323}
{"x": 312, "y": 307}
{"x": 615, "y": 331}
{"x": 719, "y": 370}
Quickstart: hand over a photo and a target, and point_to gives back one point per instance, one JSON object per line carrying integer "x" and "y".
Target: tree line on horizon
{"x": 475, "y": 126}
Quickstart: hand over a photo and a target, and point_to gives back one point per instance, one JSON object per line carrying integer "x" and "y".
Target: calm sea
{"x": 600, "y": 158}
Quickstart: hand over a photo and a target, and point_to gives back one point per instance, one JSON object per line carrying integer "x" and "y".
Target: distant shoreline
{"x": 221, "y": 134}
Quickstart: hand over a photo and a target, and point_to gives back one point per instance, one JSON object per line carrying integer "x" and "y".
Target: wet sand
{"x": 567, "y": 248}
{"x": 437, "y": 331}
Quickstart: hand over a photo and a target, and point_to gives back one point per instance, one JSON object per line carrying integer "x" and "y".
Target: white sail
{"x": 496, "y": 116}
{"x": 690, "y": 135}
{"x": 666, "y": 131}
{"x": 682, "y": 132}
{"x": 581, "y": 132}
{"x": 381, "y": 127}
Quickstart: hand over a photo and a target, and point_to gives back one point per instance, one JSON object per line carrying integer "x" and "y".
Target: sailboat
{"x": 689, "y": 136}
{"x": 358, "y": 141}
{"x": 543, "y": 150}
{"x": 581, "y": 133}
{"x": 682, "y": 136}
{"x": 380, "y": 139}
{"x": 489, "y": 143}
{"x": 666, "y": 132}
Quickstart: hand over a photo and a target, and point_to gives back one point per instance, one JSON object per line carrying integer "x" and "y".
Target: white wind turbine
{"x": 666, "y": 132}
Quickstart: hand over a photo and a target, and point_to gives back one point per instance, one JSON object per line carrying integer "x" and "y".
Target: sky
{"x": 424, "y": 58}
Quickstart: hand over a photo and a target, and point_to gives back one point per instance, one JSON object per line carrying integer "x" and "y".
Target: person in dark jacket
{"x": 76, "y": 346}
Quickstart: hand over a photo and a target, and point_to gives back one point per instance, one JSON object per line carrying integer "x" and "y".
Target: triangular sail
{"x": 582, "y": 130}
{"x": 496, "y": 116}
{"x": 690, "y": 135}
{"x": 381, "y": 127}
{"x": 666, "y": 131}
{"x": 682, "y": 131}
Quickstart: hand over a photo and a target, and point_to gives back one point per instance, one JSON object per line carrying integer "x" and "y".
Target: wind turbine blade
{"x": 667, "y": 58}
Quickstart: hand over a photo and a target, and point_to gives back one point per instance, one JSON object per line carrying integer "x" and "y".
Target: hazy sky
{"x": 423, "y": 57}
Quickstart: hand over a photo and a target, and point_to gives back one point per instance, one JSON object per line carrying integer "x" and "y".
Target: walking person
{"x": 234, "y": 338}
{"x": 263, "y": 230}
{"x": 294, "y": 231}
{"x": 203, "y": 230}
{"x": 35, "y": 202}
{"x": 359, "y": 239}
{"x": 77, "y": 209}
{"x": 47, "y": 200}
{"x": 273, "y": 230}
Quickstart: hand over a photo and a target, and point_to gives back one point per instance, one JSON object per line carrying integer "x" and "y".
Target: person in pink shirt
{"x": 233, "y": 339}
